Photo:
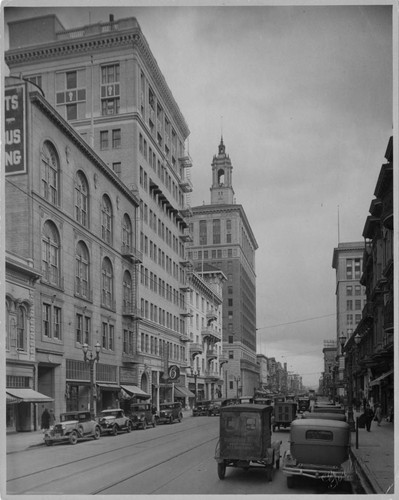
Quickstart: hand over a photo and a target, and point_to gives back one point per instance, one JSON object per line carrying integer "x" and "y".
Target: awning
{"x": 183, "y": 392}
{"x": 11, "y": 400}
{"x": 381, "y": 377}
{"x": 109, "y": 387}
{"x": 28, "y": 396}
{"x": 135, "y": 391}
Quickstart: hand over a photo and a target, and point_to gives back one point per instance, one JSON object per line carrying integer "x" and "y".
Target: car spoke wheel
{"x": 144, "y": 424}
{"x": 114, "y": 430}
{"x": 128, "y": 427}
{"x": 97, "y": 433}
{"x": 171, "y": 419}
{"x": 48, "y": 442}
{"x": 73, "y": 437}
{"x": 222, "y": 470}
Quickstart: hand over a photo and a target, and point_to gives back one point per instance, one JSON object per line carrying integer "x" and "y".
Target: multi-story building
{"x": 222, "y": 237}
{"x": 350, "y": 300}
{"x": 105, "y": 82}
{"x": 204, "y": 305}
{"x": 369, "y": 350}
{"x": 71, "y": 241}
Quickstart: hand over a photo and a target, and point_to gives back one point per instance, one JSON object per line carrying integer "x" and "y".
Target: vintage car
{"x": 113, "y": 421}
{"x": 72, "y": 426}
{"x": 142, "y": 415}
{"x": 230, "y": 401}
{"x": 201, "y": 408}
{"x": 245, "y": 439}
{"x": 324, "y": 415}
{"x": 319, "y": 449}
{"x": 303, "y": 404}
{"x": 214, "y": 408}
{"x": 283, "y": 414}
{"x": 169, "y": 412}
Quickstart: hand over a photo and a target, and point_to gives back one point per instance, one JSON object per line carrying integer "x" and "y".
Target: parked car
{"x": 72, "y": 426}
{"x": 113, "y": 421}
{"x": 169, "y": 412}
{"x": 319, "y": 449}
{"x": 214, "y": 408}
{"x": 201, "y": 408}
{"x": 142, "y": 415}
{"x": 284, "y": 413}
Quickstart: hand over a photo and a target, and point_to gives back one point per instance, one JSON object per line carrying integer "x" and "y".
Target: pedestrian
{"x": 369, "y": 415}
{"x": 378, "y": 415}
{"x": 45, "y": 419}
{"x": 52, "y": 417}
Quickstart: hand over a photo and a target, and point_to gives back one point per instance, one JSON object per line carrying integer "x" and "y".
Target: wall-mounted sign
{"x": 15, "y": 140}
{"x": 173, "y": 372}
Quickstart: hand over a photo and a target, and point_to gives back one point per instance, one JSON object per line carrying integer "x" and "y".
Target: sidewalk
{"x": 20, "y": 441}
{"x": 374, "y": 459}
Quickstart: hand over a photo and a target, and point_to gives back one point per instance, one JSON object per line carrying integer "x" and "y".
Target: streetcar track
{"x": 122, "y": 480}
{"x": 75, "y": 461}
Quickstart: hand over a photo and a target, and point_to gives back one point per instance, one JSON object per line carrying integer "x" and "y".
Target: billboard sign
{"x": 15, "y": 137}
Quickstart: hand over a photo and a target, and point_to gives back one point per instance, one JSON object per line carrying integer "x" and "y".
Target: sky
{"x": 302, "y": 95}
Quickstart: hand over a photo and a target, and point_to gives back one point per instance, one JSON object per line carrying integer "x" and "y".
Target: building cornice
{"x": 131, "y": 36}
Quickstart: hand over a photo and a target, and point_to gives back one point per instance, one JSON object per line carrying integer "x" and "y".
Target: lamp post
{"x": 194, "y": 373}
{"x": 237, "y": 379}
{"x": 91, "y": 360}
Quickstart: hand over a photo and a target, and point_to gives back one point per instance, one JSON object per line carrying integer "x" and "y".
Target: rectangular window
{"x": 349, "y": 290}
{"x": 104, "y": 139}
{"x": 111, "y": 337}
{"x": 349, "y": 305}
{"x": 231, "y": 354}
{"x": 104, "y": 343}
{"x": 79, "y": 328}
{"x": 72, "y": 111}
{"x": 357, "y": 290}
{"x": 116, "y": 138}
{"x": 358, "y": 305}
{"x": 37, "y": 80}
{"x": 202, "y": 232}
{"x": 349, "y": 270}
{"x": 57, "y": 323}
{"x": 117, "y": 168}
{"x": 216, "y": 231}
{"x": 47, "y": 320}
{"x": 231, "y": 339}
{"x": 71, "y": 80}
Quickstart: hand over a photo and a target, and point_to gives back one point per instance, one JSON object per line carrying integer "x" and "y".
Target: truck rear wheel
{"x": 222, "y": 470}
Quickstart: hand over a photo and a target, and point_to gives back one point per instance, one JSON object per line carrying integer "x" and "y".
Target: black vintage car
{"x": 201, "y": 408}
{"x": 142, "y": 415}
{"x": 169, "y": 412}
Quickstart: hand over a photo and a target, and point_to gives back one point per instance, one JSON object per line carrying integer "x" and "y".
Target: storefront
{"x": 22, "y": 408}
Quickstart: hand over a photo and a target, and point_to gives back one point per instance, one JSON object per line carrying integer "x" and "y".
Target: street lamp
{"x": 91, "y": 360}
{"x": 194, "y": 373}
{"x": 237, "y": 379}
{"x": 342, "y": 340}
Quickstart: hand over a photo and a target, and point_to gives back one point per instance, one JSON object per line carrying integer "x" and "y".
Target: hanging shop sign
{"x": 173, "y": 373}
{"x": 15, "y": 137}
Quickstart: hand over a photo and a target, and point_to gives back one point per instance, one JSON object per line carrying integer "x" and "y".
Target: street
{"x": 170, "y": 459}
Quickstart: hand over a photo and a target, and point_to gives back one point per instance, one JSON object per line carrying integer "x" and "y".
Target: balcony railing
{"x": 211, "y": 316}
{"x": 132, "y": 312}
{"x": 132, "y": 254}
{"x": 211, "y": 334}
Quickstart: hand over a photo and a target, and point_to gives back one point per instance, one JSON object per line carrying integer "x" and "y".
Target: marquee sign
{"x": 15, "y": 136}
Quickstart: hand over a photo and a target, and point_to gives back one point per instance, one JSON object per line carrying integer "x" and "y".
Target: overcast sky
{"x": 305, "y": 93}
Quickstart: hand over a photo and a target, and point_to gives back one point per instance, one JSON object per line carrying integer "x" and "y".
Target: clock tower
{"x": 222, "y": 192}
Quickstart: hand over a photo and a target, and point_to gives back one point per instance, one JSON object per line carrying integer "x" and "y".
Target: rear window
{"x": 319, "y": 434}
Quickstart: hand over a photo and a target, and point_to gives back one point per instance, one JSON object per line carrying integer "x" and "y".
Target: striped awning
{"x": 381, "y": 377}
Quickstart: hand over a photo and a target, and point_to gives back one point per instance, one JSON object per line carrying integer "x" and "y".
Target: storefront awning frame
{"x": 26, "y": 395}
{"x": 135, "y": 391}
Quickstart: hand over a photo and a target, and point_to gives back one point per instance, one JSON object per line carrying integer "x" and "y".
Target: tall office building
{"x": 222, "y": 237}
{"x": 105, "y": 82}
{"x": 350, "y": 298}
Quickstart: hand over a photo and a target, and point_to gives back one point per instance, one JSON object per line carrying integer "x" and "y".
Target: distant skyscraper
{"x": 222, "y": 237}
{"x": 350, "y": 295}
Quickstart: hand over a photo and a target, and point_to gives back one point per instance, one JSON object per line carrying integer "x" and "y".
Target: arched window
{"x": 127, "y": 291}
{"x": 126, "y": 234}
{"x": 106, "y": 219}
{"x": 51, "y": 254}
{"x": 81, "y": 200}
{"x": 21, "y": 328}
{"x": 82, "y": 271}
{"x": 107, "y": 283}
{"x": 50, "y": 171}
